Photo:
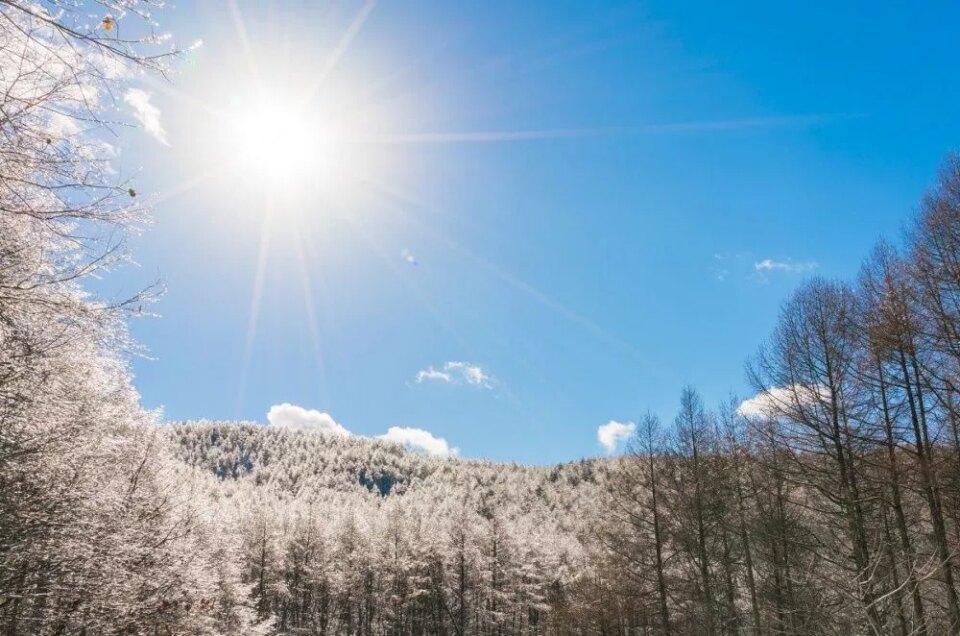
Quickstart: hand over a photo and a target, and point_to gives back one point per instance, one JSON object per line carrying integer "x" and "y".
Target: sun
{"x": 278, "y": 140}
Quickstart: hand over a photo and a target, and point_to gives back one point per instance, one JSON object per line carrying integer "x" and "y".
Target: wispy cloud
{"x": 433, "y": 374}
{"x": 613, "y": 434}
{"x": 419, "y": 440}
{"x": 735, "y": 265}
{"x": 770, "y": 265}
{"x": 457, "y": 373}
{"x": 720, "y": 269}
{"x": 146, "y": 113}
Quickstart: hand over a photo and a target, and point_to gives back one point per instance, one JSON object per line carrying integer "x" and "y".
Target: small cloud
{"x": 724, "y": 264}
{"x": 770, "y": 265}
{"x": 613, "y": 433}
{"x": 457, "y": 373}
{"x": 731, "y": 266}
{"x": 775, "y": 401}
{"x": 419, "y": 440}
{"x": 297, "y": 418}
{"x": 146, "y": 113}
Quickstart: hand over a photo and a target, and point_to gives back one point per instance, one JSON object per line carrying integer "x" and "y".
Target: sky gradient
{"x": 556, "y": 215}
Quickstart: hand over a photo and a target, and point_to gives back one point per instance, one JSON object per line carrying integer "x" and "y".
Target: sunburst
{"x": 275, "y": 129}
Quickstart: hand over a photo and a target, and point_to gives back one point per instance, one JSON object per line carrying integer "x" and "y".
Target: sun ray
{"x": 342, "y": 46}
{"x": 241, "y": 29}
{"x": 422, "y": 298}
{"x": 190, "y": 184}
{"x": 513, "y": 280}
{"x": 490, "y": 136}
{"x": 170, "y": 90}
{"x": 481, "y": 136}
{"x": 310, "y": 308}
{"x": 383, "y": 254}
{"x": 266, "y": 231}
{"x": 438, "y": 316}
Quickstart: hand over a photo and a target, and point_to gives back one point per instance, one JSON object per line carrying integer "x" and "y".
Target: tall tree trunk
{"x": 900, "y": 518}
{"x": 658, "y": 541}
{"x": 747, "y": 549}
{"x": 931, "y": 490}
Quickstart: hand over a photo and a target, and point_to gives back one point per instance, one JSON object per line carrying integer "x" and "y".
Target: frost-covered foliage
{"x": 97, "y": 533}
{"x": 313, "y": 463}
{"x": 359, "y": 536}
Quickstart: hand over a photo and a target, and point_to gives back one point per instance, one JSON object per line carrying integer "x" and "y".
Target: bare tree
{"x": 811, "y": 359}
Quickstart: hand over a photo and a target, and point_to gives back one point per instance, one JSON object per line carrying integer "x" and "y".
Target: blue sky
{"x": 603, "y": 204}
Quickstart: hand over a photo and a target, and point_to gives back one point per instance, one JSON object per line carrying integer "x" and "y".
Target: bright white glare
{"x": 278, "y": 141}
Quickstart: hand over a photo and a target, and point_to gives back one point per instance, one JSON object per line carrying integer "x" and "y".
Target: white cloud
{"x": 762, "y": 405}
{"x": 770, "y": 265}
{"x": 613, "y": 433}
{"x": 433, "y": 374}
{"x": 472, "y": 373}
{"x": 297, "y": 418}
{"x": 457, "y": 373}
{"x": 418, "y": 439}
{"x": 772, "y": 402}
{"x": 146, "y": 113}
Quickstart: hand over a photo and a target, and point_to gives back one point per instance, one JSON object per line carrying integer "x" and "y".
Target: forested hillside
{"x": 302, "y": 463}
{"x": 346, "y": 535}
